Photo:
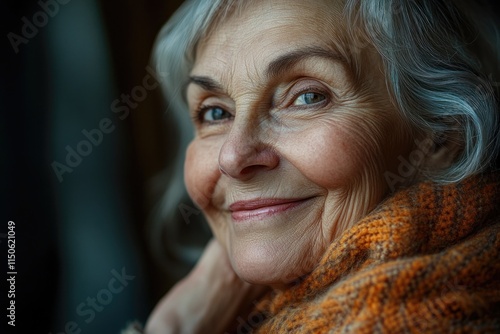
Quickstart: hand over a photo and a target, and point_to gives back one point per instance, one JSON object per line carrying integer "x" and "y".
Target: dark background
{"x": 72, "y": 235}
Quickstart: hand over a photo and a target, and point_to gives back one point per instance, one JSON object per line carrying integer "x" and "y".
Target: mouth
{"x": 263, "y": 207}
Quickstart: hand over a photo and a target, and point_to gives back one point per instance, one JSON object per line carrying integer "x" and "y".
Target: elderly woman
{"x": 344, "y": 157}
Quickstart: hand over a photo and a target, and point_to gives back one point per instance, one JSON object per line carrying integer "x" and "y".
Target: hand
{"x": 208, "y": 300}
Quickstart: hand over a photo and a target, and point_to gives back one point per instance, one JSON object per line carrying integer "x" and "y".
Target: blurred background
{"x": 86, "y": 141}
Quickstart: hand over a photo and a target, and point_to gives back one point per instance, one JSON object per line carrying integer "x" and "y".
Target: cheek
{"x": 201, "y": 172}
{"x": 333, "y": 156}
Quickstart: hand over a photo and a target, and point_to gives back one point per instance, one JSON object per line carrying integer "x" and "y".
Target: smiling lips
{"x": 262, "y": 208}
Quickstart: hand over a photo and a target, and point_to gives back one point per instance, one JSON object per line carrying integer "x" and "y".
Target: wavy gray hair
{"x": 441, "y": 58}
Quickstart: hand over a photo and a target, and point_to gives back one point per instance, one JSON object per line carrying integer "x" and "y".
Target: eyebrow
{"x": 283, "y": 63}
{"x": 277, "y": 67}
{"x": 206, "y": 83}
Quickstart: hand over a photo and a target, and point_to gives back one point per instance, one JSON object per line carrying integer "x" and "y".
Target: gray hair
{"x": 441, "y": 58}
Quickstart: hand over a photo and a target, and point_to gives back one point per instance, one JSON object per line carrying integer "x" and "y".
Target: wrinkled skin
{"x": 287, "y": 108}
{"x": 271, "y": 124}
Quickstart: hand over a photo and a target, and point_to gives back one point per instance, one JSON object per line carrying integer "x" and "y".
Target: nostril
{"x": 252, "y": 169}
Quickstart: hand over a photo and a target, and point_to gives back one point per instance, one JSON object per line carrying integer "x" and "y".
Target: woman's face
{"x": 291, "y": 144}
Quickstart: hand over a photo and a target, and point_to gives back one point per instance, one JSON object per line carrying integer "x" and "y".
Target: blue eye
{"x": 309, "y": 98}
{"x": 214, "y": 114}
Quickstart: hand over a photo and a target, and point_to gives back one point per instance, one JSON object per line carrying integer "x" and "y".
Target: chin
{"x": 258, "y": 264}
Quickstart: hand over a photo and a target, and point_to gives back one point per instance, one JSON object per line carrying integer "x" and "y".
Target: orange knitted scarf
{"x": 425, "y": 261}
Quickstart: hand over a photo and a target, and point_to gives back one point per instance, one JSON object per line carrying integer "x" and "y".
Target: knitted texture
{"x": 425, "y": 261}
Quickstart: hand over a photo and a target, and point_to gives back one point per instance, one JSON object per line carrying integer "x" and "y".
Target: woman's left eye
{"x": 309, "y": 98}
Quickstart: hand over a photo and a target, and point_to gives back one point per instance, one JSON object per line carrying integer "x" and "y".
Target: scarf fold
{"x": 424, "y": 261}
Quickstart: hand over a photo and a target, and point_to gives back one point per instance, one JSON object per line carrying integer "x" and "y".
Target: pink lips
{"x": 261, "y": 208}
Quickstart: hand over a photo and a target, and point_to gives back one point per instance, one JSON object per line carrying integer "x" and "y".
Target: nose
{"x": 244, "y": 153}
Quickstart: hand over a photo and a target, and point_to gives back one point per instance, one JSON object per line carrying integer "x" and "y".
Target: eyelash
{"x": 198, "y": 116}
{"x": 309, "y": 89}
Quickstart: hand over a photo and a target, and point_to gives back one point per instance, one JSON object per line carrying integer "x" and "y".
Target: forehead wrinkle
{"x": 237, "y": 70}
{"x": 253, "y": 73}
{"x": 210, "y": 77}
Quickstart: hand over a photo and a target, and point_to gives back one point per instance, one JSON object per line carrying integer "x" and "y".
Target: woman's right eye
{"x": 213, "y": 114}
